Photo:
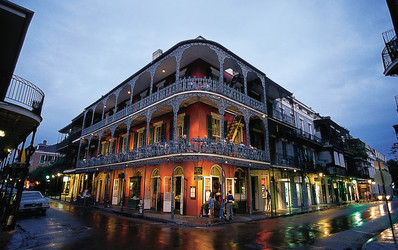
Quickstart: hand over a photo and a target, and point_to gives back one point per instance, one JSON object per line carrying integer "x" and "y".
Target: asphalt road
{"x": 69, "y": 227}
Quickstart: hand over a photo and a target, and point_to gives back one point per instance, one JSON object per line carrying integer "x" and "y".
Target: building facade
{"x": 199, "y": 120}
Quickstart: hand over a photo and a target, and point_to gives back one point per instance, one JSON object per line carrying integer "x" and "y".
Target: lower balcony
{"x": 183, "y": 149}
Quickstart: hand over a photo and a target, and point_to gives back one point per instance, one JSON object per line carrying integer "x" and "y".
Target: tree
{"x": 394, "y": 151}
{"x": 393, "y": 169}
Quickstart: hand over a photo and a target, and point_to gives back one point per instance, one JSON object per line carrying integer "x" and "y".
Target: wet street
{"x": 69, "y": 227}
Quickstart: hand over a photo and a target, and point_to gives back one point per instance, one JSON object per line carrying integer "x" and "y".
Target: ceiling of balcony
{"x": 17, "y": 123}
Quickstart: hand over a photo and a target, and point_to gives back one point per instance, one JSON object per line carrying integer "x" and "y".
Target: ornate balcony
{"x": 307, "y": 136}
{"x": 183, "y": 149}
{"x": 283, "y": 117}
{"x": 182, "y": 85}
{"x": 283, "y": 160}
{"x": 390, "y": 53}
{"x": 25, "y": 94}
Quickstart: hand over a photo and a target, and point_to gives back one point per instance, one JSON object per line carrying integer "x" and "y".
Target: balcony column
{"x": 222, "y": 72}
{"x": 266, "y": 139}
{"x": 103, "y": 112}
{"x": 128, "y": 137}
{"x": 78, "y": 153}
{"x": 148, "y": 121}
{"x": 247, "y": 120}
{"x": 92, "y": 118}
{"x": 221, "y": 111}
{"x": 99, "y": 145}
{"x": 115, "y": 109}
{"x": 152, "y": 76}
{"x": 88, "y": 146}
{"x": 111, "y": 143}
{"x": 84, "y": 120}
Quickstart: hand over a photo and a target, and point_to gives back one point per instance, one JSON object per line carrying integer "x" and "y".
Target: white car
{"x": 33, "y": 201}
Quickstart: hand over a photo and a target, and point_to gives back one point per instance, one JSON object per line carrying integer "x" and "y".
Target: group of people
{"x": 228, "y": 201}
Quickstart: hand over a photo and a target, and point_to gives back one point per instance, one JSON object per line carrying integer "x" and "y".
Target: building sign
{"x": 198, "y": 178}
{"x": 198, "y": 170}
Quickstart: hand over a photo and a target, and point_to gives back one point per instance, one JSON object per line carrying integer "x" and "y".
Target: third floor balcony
{"x": 390, "y": 53}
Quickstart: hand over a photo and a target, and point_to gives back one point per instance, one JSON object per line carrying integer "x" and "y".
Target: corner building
{"x": 191, "y": 122}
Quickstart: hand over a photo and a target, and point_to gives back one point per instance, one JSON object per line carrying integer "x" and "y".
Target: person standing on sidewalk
{"x": 268, "y": 196}
{"x": 230, "y": 201}
{"x": 211, "y": 202}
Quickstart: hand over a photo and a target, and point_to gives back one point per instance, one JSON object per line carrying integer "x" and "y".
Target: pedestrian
{"x": 268, "y": 196}
{"x": 230, "y": 202}
{"x": 211, "y": 202}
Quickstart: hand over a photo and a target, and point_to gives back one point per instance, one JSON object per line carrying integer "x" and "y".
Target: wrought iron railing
{"x": 180, "y": 146}
{"x": 283, "y": 160}
{"x": 390, "y": 51}
{"x": 305, "y": 135}
{"x": 182, "y": 85}
{"x": 25, "y": 94}
{"x": 283, "y": 117}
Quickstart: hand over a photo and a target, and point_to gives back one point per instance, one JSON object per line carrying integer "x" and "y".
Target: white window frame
{"x": 180, "y": 125}
{"x": 140, "y": 137}
{"x": 157, "y": 132}
{"x": 215, "y": 118}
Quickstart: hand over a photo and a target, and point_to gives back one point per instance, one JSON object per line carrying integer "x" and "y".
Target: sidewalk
{"x": 193, "y": 221}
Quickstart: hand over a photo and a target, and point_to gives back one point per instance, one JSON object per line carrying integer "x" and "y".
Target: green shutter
{"x": 163, "y": 133}
{"x": 120, "y": 144}
{"x": 151, "y": 130}
{"x": 135, "y": 140}
{"x": 171, "y": 130}
{"x": 209, "y": 128}
{"x": 225, "y": 128}
{"x": 186, "y": 126}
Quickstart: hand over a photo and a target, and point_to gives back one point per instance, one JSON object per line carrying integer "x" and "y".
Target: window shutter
{"x": 120, "y": 144}
{"x": 135, "y": 140}
{"x": 151, "y": 130}
{"x": 171, "y": 130}
{"x": 163, "y": 133}
{"x": 186, "y": 125}
{"x": 209, "y": 128}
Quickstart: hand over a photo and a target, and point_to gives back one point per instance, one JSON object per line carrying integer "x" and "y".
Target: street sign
{"x": 386, "y": 177}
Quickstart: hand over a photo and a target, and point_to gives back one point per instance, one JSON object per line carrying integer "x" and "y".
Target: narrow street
{"x": 69, "y": 227}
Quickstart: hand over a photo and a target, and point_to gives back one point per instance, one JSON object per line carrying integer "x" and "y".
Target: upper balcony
{"x": 190, "y": 69}
{"x": 20, "y": 112}
{"x": 308, "y": 137}
{"x": 390, "y": 53}
{"x": 185, "y": 85}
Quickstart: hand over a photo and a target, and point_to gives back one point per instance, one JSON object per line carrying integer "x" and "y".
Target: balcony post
{"x": 78, "y": 153}
{"x": 92, "y": 118}
{"x": 99, "y": 144}
{"x": 247, "y": 120}
{"x": 128, "y": 137}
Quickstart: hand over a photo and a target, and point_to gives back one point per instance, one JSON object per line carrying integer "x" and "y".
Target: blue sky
{"x": 328, "y": 53}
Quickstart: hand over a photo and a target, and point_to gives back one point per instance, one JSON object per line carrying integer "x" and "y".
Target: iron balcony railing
{"x": 182, "y": 85}
{"x": 283, "y": 117}
{"x": 194, "y": 146}
{"x": 25, "y": 94}
{"x": 305, "y": 135}
{"x": 390, "y": 51}
{"x": 283, "y": 160}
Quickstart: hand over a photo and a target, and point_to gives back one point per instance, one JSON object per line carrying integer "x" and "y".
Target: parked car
{"x": 33, "y": 201}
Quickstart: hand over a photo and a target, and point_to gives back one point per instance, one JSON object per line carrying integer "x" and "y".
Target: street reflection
{"x": 300, "y": 231}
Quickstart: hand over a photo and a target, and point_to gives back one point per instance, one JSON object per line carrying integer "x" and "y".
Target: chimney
{"x": 156, "y": 54}
{"x": 44, "y": 142}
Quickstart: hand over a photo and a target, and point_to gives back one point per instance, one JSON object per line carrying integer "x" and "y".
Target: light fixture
{"x": 104, "y": 106}
{"x": 163, "y": 71}
{"x": 263, "y": 116}
{"x": 320, "y": 174}
{"x": 129, "y": 92}
{"x": 2, "y": 133}
{"x": 59, "y": 174}
{"x": 370, "y": 181}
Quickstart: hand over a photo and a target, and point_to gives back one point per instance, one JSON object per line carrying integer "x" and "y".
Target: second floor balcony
{"x": 185, "y": 85}
{"x": 183, "y": 149}
{"x": 390, "y": 53}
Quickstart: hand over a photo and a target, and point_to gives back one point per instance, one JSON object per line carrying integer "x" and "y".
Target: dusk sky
{"x": 328, "y": 53}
